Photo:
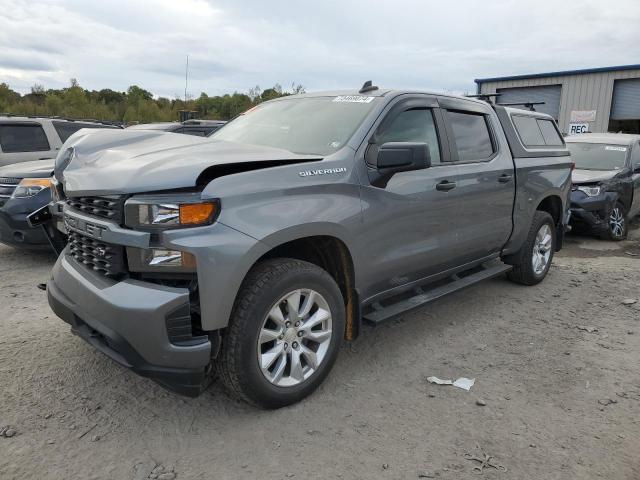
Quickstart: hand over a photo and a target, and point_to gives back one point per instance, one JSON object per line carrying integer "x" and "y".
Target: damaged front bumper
{"x": 130, "y": 321}
{"x": 591, "y": 213}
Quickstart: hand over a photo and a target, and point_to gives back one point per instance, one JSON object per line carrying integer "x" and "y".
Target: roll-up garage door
{"x": 549, "y": 94}
{"x": 626, "y": 100}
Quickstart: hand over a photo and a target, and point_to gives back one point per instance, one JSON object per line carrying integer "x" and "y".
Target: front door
{"x": 409, "y": 219}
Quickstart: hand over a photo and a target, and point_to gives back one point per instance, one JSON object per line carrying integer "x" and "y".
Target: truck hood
{"x": 121, "y": 161}
{"x": 590, "y": 176}
{"x": 34, "y": 169}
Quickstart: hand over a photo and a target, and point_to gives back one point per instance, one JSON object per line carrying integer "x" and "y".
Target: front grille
{"x": 110, "y": 207}
{"x": 7, "y": 186}
{"x": 105, "y": 258}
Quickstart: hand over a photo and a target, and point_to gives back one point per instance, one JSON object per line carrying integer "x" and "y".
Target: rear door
{"x": 486, "y": 182}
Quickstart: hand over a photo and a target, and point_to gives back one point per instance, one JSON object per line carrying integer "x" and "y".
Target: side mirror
{"x": 402, "y": 157}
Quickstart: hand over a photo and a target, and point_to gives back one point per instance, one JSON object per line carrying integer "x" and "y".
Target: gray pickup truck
{"x": 252, "y": 254}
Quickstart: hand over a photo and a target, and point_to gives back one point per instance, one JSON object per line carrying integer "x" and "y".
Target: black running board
{"x": 378, "y": 313}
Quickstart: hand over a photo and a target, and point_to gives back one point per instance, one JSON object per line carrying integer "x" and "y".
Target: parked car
{"x": 24, "y": 139}
{"x": 256, "y": 252}
{"x": 24, "y": 187}
{"x": 606, "y": 182}
{"x": 200, "y": 128}
{"x": 19, "y": 227}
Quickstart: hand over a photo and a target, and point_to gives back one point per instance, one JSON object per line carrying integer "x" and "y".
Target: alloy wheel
{"x": 542, "y": 249}
{"x": 616, "y": 222}
{"x": 294, "y": 338}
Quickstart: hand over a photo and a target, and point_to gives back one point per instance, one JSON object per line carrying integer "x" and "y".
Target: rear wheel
{"x": 618, "y": 224}
{"x": 284, "y": 334}
{"x": 531, "y": 264}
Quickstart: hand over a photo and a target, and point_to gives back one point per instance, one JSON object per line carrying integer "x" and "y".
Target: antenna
{"x": 186, "y": 79}
{"x": 368, "y": 87}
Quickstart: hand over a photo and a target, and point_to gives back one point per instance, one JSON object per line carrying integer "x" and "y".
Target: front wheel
{"x": 617, "y": 224}
{"x": 284, "y": 335}
{"x": 531, "y": 264}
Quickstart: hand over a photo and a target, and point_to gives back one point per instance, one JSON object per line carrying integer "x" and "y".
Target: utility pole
{"x": 186, "y": 79}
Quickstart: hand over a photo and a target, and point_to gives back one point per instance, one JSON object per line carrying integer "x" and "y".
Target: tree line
{"x": 134, "y": 105}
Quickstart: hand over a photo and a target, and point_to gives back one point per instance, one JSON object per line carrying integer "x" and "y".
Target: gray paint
{"x": 33, "y": 169}
{"x": 114, "y": 161}
{"x": 129, "y": 309}
{"x": 586, "y": 91}
{"x": 397, "y": 233}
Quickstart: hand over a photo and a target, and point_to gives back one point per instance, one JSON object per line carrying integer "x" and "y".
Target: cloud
{"x": 234, "y": 45}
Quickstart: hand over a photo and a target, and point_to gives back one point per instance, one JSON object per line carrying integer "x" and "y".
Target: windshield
{"x": 598, "y": 156}
{"x": 315, "y": 126}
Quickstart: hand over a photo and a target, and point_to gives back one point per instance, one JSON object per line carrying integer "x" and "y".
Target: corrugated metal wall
{"x": 590, "y": 91}
{"x": 551, "y": 95}
{"x": 626, "y": 99}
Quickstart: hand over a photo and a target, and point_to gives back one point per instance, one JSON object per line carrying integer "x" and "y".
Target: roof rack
{"x": 529, "y": 105}
{"x": 485, "y": 97}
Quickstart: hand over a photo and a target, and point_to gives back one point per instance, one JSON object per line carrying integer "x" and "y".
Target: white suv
{"x": 35, "y": 138}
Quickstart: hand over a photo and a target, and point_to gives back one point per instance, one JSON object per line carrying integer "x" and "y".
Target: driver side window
{"x": 415, "y": 125}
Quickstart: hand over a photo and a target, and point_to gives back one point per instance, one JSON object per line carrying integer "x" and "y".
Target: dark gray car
{"x": 606, "y": 182}
{"x": 255, "y": 252}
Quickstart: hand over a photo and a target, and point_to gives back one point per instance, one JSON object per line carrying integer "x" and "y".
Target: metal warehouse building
{"x": 592, "y": 100}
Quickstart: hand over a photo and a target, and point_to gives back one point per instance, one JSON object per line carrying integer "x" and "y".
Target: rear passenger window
{"x": 415, "y": 125}
{"x": 550, "y": 133}
{"x": 537, "y": 132}
{"x": 472, "y": 137}
{"x": 23, "y": 138}
{"x": 528, "y": 130}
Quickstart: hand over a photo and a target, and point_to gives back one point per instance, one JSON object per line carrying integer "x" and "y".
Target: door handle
{"x": 445, "y": 186}
{"x": 504, "y": 178}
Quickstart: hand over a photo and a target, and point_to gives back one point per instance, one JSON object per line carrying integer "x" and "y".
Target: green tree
{"x": 136, "y": 104}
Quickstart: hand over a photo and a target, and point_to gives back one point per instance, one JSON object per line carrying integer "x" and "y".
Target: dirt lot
{"x": 561, "y": 403}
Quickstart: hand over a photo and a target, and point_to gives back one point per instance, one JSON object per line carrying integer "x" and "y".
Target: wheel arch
{"x": 331, "y": 254}
{"x": 552, "y": 204}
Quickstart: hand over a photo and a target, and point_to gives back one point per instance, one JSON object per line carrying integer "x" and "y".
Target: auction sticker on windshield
{"x": 353, "y": 99}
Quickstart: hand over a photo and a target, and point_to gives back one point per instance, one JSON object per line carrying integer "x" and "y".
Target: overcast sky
{"x": 234, "y": 45}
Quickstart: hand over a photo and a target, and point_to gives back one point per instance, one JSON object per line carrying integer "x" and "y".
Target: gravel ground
{"x": 556, "y": 396}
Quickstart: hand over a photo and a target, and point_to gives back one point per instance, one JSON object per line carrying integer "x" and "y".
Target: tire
{"x": 618, "y": 224}
{"x": 260, "y": 313}
{"x": 525, "y": 271}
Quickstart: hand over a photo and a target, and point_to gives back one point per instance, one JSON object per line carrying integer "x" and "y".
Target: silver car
{"x": 24, "y": 139}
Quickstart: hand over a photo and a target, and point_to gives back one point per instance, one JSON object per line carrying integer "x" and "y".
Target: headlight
{"x": 30, "y": 187}
{"x": 591, "y": 191}
{"x": 160, "y": 260}
{"x": 63, "y": 159}
{"x": 183, "y": 211}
